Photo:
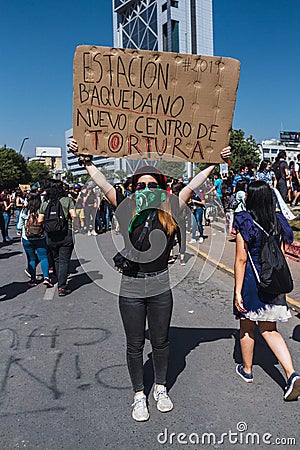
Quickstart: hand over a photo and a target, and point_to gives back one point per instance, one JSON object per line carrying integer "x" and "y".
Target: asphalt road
{"x": 64, "y": 381}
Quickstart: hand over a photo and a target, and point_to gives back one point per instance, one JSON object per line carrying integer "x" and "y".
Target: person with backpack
{"x": 197, "y": 205}
{"x": 33, "y": 239}
{"x": 242, "y": 176}
{"x": 261, "y": 282}
{"x": 240, "y": 196}
{"x": 280, "y": 169}
{"x": 57, "y": 213}
{"x": 294, "y": 183}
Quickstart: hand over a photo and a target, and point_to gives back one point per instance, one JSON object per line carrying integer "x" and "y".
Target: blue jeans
{"x": 17, "y": 213}
{"x": 36, "y": 248}
{"x": 107, "y": 217}
{"x": 197, "y": 217}
{"x": 6, "y": 218}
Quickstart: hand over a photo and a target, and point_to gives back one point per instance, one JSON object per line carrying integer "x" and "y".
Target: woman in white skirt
{"x": 251, "y": 305}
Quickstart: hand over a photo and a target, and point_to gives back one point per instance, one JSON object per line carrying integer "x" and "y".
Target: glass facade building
{"x": 184, "y": 26}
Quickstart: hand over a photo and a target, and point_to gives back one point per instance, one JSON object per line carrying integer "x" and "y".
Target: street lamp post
{"x": 25, "y": 139}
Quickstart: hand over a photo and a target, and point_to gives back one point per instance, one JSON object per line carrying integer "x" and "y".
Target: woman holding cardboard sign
{"x": 148, "y": 221}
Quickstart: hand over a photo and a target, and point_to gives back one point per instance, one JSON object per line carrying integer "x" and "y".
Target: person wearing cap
{"x": 145, "y": 290}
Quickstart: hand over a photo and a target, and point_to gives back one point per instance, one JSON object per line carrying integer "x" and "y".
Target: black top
{"x": 90, "y": 199}
{"x": 161, "y": 242}
{"x": 283, "y": 165}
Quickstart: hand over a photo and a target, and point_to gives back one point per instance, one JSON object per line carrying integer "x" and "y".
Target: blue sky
{"x": 38, "y": 40}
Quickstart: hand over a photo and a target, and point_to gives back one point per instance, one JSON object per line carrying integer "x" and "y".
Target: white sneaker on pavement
{"x": 192, "y": 241}
{"x": 201, "y": 240}
{"x": 140, "y": 411}
{"x": 164, "y": 403}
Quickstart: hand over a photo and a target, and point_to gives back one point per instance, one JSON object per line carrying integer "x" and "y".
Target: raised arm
{"x": 186, "y": 193}
{"x": 95, "y": 174}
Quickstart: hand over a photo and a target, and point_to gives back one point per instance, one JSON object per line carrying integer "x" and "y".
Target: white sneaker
{"x": 164, "y": 403}
{"x": 94, "y": 233}
{"x": 140, "y": 411}
{"x": 192, "y": 241}
{"x": 89, "y": 233}
{"x": 201, "y": 240}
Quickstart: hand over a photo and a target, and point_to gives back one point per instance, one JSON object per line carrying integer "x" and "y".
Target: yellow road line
{"x": 227, "y": 269}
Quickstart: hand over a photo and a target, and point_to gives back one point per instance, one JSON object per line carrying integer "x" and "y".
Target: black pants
{"x": 181, "y": 236}
{"x": 90, "y": 215}
{"x": 62, "y": 251}
{"x": 158, "y": 310}
{"x": 282, "y": 188}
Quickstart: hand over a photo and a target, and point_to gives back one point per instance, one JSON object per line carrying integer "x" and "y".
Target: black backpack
{"x": 232, "y": 202}
{"x": 54, "y": 219}
{"x": 275, "y": 277}
{"x": 277, "y": 170}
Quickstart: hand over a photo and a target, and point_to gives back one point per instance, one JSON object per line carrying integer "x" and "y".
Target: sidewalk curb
{"x": 293, "y": 304}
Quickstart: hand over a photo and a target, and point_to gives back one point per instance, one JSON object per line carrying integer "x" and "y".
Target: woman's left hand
{"x": 239, "y": 304}
{"x": 226, "y": 153}
{"x": 73, "y": 146}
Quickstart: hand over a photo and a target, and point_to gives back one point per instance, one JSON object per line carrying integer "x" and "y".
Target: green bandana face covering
{"x": 148, "y": 198}
{"x": 144, "y": 200}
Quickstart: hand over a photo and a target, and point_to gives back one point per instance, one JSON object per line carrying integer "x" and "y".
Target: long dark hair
{"x": 54, "y": 190}
{"x": 33, "y": 203}
{"x": 263, "y": 166}
{"x": 281, "y": 155}
{"x": 260, "y": 204}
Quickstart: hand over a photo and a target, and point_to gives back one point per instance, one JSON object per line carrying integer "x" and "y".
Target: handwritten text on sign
{"x": 130, "y": 103}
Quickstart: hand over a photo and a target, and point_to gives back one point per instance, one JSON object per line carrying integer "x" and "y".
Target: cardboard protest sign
{"x": 137, "y": 103}
{"x": 24, "y": 187}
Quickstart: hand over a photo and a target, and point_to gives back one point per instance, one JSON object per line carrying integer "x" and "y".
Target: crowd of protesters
{"x": 92, "y": 213}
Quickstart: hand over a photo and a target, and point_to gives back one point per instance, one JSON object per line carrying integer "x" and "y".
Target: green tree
{"x": 13, "y": 168}
{"x": 172, "y": 169}
{"x": 109, "y": 175}
{"x": 70, "y": 177}
{"x": 244, "y": 150}
{"x": 121, "y": 174}
{"x": 84, "y": 178}
{"x": 38, "y": 172}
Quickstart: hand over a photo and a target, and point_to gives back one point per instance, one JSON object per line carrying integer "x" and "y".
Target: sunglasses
{"x": 142, "y": 185}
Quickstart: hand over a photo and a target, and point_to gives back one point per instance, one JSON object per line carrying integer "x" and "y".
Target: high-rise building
{"x": 184, "y": 26}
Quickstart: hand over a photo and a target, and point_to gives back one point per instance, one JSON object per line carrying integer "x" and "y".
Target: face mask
{"x": 148, "y": 198}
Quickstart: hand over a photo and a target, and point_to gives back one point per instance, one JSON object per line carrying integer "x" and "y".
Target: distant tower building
{"x": 184, "y": 26}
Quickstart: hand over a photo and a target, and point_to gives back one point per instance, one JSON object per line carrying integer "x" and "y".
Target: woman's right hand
{"x": 238, "y": 302}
